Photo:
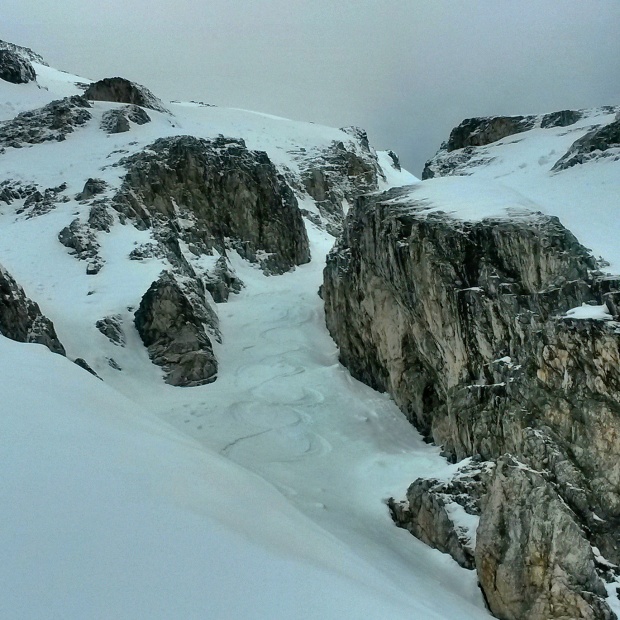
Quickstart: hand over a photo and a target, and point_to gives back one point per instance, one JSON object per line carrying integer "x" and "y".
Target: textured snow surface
{"x": 516, "y": 173}
{"x": 259, "y": 496}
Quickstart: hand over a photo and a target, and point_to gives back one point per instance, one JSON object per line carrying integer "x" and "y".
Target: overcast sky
{"x": 405, "y": 70}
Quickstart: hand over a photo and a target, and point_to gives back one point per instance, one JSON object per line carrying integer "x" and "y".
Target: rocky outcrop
{"x": 120, "y": 90}
{"x": 533, "y": 558}
{"x": 52, "y": 122}
{"x": 174, "y": 321}
{"x": 473, "y": 143}
{"x": 465, "y": 324}
{"x": 222, "y": 280}
{"x": 564, "y": 118}
{"x": 337, "y": 175}
{"x": 36, "y": 201}
{"x": 215, "y": 194}
{"x": 82, "y": 242}
{"x": 444, "y": 514}
{"x": 15, "y": 68}
{"x": 24, "y": 52}
{"x": 600, "y": 142}
{"x": 112, "y": 328}
{"x": 92, "y": 188}
{"x": 119, "y": 120}
{"x": 484, "y": 130}
{"x": 21, "y": 319}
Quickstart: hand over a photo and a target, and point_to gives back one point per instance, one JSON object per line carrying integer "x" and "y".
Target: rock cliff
{"x": 21, "y": 318}
{"x": 468, "y": 325}
{"x": 215, "y": 194}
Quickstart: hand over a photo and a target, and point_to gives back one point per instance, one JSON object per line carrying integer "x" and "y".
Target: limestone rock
{"x": 21, "y": 318}
{"x": 118, "y": 120}
{"x": 444, "y": 513}
{"x": 173, "y": 321}
{"x": 482, "y": 131}
{"x": 215, "y": 194}
{"x": 532, "y": 558}
{"x": 24, "y": 52}
{"x": 465, "y": 325}
{"x": 39, "y": 202}
{"x": 112, "y": 328}
{"x": 52, "y": 122}
{"x": 339, "y": 174}
{"x": 473, "y": 143}
{"x": 82, "y": 242}
{"x": 15, "y": 68}
{"x": 92, "y": 188}
{"x": 120, "y": 90}
{"x": 222, "y": 281}
{"x": 601, "y": 142}
{"x": 564, "y": 118}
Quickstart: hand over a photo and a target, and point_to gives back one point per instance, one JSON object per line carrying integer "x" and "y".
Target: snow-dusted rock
{"x": 173, "y": 320}
{"x": 51, "y": 122}
{"x": 216, "y": 194}
{"x": 600, "y": 142}
{"x": 21, "y": 318}
{"x": 334, "y": 177}
{"x": 15, "y": 68}
{"x": 533, "y": 559}
{"x": 120, "y": 90}
{"x": 118, "y": 120}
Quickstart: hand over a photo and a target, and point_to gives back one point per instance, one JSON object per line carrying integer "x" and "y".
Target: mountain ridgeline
{"x": 467, "y": 297}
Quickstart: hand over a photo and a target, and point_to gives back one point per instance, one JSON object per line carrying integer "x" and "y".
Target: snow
{"x": 261, "y": 495}
{"x": 585, "y": 197}
{"x": 468, "y": 199}
{"x": 597, "y": 313}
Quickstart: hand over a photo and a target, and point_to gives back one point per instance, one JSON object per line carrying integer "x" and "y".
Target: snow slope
{"x": 259, "y": 496}
{"x": 515, "y": 172}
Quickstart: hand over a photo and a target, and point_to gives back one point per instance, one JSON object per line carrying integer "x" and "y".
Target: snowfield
{"x": 259, "y": 496}
{"x": 262, "y": 495}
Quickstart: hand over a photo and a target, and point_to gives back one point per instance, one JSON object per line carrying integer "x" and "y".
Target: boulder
{"x": 174, "y": 322}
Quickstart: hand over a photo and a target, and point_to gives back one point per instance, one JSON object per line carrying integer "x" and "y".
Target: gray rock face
{"x": 21, "y": 319}
{"x": 472, "y": 144}
{"x": 92, "y": 188}
{"x": 173, "y": 321}
{"x": 52, "y": 122}
{"x": 601, "y": 142}
{"x": 15, "y": 68}
{"x": 120, "y": 90}
{"x": 112, "y": 328}
{"x": 222, "y": 281}
{"x": 82, "y": 242}
{"x": 339, "y": 174}
{"x": 482, "y": 131}
{"x": 463, "y": 324}
{"x": 24, "y": 52}
{"x": 564, "y": 118}
{"x": 215, "y": 194}
{"x": 119, "y": 121}
{"x": 533, "y": 560}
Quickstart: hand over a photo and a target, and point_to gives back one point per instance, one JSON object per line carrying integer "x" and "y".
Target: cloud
{"x": 406, "y": 70}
